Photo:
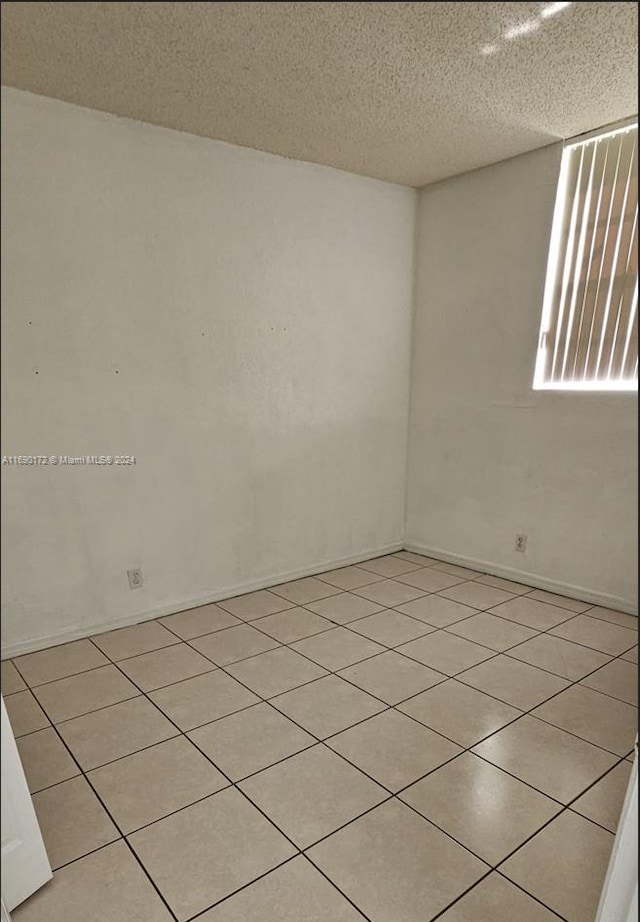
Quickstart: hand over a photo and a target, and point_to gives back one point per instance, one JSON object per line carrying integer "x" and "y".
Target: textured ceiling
{"x": 399, "y": 91}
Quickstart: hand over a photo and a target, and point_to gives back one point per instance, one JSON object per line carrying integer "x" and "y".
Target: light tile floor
{"x": 400, "y": 741}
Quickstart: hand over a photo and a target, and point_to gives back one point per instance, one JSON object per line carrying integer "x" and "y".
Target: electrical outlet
{"x": 135, "y": 578}
{"x": 521, "y": 543}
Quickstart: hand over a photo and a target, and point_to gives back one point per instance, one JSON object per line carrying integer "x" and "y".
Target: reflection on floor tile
{"x": 554, "y": 762}
{"x": 481, "y": 806}
{"x": 377, "y": 717}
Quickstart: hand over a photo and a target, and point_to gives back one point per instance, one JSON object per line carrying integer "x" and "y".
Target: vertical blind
{"x": 589, "y": 331}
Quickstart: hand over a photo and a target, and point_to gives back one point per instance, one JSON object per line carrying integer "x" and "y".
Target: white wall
{"x": 238, "y": 322}
{"x": 489, "y": 457}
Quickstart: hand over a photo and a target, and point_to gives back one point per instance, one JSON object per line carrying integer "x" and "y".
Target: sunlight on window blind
{"x": 589, "y": 330}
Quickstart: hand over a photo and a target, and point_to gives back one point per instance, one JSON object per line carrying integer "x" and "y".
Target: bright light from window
{"x": 589, "y": 327}
{"x": 524, "y": 28}
{"x": 553, "y": 9}
{"x": 489, "y": 49}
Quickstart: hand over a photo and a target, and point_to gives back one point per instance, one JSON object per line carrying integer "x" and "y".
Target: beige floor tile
{"x": 597, "y": 634}
{"x": 528, "y": 612}
{"x": 564, "y": 866}
{"x": 164, "y": 667}
{"x": 250, "y": 740}
{"x": 518, "y": 684}
{"x": 492, "y": 632}
{"x": 445, "y": 652}
{"x": 204, "y": 698}
{"x": 60, "y": 662}
{"x": 389, "y": 592}
{"x": 148, "y": 785}
{"x": 594, "y": 717}
{"x": 88, "y": 691}
{"x": 110, "y": 878}
{"x": 622, "y": 619}
{"x": 327, "y": 706}
{"x": 481, "y": 806}
{"x": 460, "y": 713}
{"x": 505, "y": 584}
{"x": 397, "y": 866}
{"x": 393, "y": 749}
{"x": 234, "y": 644}
{"x": 562, "y": 601}
{"x": 618, "y": 679}
{"x": 275, "y": 672}
{"x": 207, "y": 851}
{"x": 116, "y": 731}
{"x": 294, "y": 892}
{"x": 603, "y": 802}
{"x": 255, "y": 605}
{"x": 429, "y": 579}
{"x": 344, "y": 608}
{"x": 132, "y": 641}
{"x": 195, "y": 622}
{"x": 388, "y": 566}
{"x": 392, "y": 677}
{"x": 45, "y": 759}
{"x": 420, "y": 559}
{"x": 495, "y": 899}
{"x": 631, "y": 655}
{"x": 349, "y": 577}
{"x": 435, "y": 610}
{"x": 11, "y": 680}
{"x": 312, "y": 794}
{"x": 568, "y": 660}
{"x": 455, "y": 570}
{"x": 72, "y": 821}
{"x": 337, "y": 648}
{"x": 25, "y": 714}
{"x": 549, "y": 759}
{"x": 476, "y": 595}
{"x": 390, "y": 628}
{"x": 294, "y": 624}
{"x": 301, "y": 591}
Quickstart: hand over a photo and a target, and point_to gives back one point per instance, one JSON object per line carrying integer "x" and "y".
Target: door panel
{"x": 25, "y": 866}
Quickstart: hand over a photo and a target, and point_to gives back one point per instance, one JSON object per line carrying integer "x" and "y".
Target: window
{"x": 589, "y": 329}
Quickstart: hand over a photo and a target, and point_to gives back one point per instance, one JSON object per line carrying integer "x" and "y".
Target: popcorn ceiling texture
{"x": 397, "y": 91}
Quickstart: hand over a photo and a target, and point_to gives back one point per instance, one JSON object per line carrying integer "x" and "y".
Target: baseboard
{"x": 77, "y": 632}
{"x": 528, "y": 579}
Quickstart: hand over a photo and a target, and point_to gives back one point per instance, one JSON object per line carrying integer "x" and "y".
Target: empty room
{"x": 319, "y": 462}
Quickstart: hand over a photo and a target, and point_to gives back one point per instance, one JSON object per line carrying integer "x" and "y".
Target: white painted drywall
{"x": 238, "y": 322}
{"x": 488, "y": 456}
